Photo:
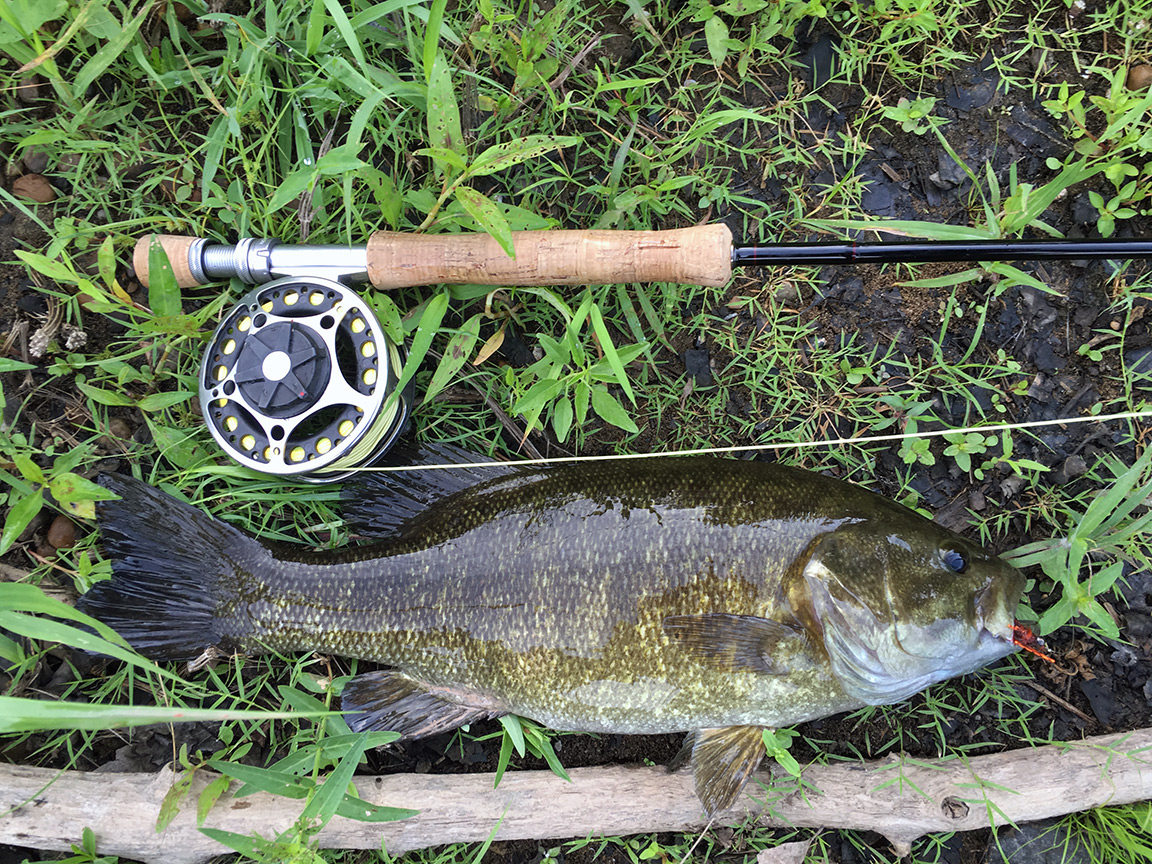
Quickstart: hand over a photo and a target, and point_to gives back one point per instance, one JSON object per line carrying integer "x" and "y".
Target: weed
{"x": 1110, "y": 525}
{"x": 914, "y": 116}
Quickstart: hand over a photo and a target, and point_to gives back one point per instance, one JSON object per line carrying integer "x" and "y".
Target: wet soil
{"x": 1094, "y": 688}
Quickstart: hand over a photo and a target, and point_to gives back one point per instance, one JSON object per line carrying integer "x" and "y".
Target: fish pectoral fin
{"x": 732, "y": 643}
{"x": 392, "y": 701}
{"x": 723, "y": 760}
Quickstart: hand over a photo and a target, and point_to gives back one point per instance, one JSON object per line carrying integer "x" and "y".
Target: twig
{"x": 1063, "y": 703}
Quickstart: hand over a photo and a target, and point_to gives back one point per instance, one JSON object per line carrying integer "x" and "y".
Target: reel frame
{"x": 296, "y": 378}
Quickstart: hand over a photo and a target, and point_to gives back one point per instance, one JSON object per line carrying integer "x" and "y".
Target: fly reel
{"x": 296, "y": 379}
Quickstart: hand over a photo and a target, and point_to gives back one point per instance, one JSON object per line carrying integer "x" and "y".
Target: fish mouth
{"x": 995, "y": 613}
{"x": 999, "y": 624}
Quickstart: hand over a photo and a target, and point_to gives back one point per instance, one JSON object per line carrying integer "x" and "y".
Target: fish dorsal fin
{"x": 377, "y": 504}
{"x": 723, "y": 760}
{"x": 391, "y": 701}
{"x": 732, "y": 643}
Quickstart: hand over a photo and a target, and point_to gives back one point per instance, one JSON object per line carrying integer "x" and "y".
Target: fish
{"x": 712, "y": 596}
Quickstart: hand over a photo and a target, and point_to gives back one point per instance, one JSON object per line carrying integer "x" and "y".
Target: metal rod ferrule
{"x": 259, "y": 260}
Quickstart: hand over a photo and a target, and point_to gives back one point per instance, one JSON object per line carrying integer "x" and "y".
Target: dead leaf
{"x": 491, "y": 346}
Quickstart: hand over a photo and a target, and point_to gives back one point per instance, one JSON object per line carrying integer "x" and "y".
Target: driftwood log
{"x": 900, "y": 798}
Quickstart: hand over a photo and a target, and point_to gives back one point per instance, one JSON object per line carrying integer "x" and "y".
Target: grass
{"x": 331, "y": 119}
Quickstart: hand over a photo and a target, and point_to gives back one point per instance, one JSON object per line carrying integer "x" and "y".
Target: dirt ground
{"x": 1102, "y": 687}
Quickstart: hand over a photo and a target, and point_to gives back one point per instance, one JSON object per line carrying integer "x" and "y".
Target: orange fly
{"x": 1029, "y": 641}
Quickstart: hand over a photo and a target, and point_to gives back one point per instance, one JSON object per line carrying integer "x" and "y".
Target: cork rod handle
{"x": 693, "y": 256}
{"x": 176, "y": 247}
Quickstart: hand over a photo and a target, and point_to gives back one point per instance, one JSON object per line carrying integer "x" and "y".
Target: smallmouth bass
{"x": 713, "y": 596}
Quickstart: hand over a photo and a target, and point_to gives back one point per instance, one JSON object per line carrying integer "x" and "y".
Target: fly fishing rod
{"x": 297, "y": 377}
{"x": 703, "y": 255}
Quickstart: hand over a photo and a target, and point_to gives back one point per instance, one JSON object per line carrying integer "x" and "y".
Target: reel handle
{"x": 693, "y": 256}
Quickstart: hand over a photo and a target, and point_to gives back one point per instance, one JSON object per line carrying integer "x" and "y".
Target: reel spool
{"x": 295, "y": 380}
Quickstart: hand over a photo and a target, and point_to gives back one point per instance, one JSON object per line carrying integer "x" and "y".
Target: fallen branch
{"x": 900, "y": 798}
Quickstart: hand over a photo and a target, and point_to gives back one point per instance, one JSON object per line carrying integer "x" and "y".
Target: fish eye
{"x": 955, "y": 561}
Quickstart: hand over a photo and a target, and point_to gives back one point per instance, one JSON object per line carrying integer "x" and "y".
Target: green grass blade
{"x": 949, "y": 281}
{"x": 108, "y": 53}
{"x": 905, "y": 228}
{"x": 364, "y": 811}
{"x": 249, "y": 846}
{"x": 256, "y": 779}
{"x": 327, "y": 799}
{"x": 501, "y": 156}
{"x": 1104, "y": 504}
{"x": 421, "y": 342}
{"x": 344, "y": 28}
{"x": 47, "y": 630}
{"x": 163, "y": 292}
{"x": 19, "y": 516}
{"x": 488, "y": 216}
{"x": 432, "y": 36}
{"x": 443, "y": 110}
{"x": 456, "y": 354}
{"x": 610, "y": 352}
{"x": 18, "y": 714}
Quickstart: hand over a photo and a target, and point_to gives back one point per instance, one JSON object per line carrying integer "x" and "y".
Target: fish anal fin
{"x": 723, "y": 760}
{"x": 391, "y": 701}
{"x": 732, "y": 643}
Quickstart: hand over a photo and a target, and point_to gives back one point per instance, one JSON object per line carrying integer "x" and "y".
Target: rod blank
{"x": 931, "y": 251}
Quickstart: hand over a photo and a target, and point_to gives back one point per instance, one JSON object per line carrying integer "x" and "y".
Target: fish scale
{"x": 624, "y": 597}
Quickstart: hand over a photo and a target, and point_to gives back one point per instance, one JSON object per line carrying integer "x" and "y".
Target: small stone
{"x": 1084, "y": 212}
{"x": 1124, "y": 657}
{"x": 34, "y": 186}
{"x": 1139, "y": 77}
{"x": 35, "y": 161}
{"x": 1075, "y": 466}
{"x": 118, "y": 427}
{"x": 61, "y": 533}
{"x": 787, "y": 292}
{"x": 1047, "y": 359}
{"x": 28, "y": 91}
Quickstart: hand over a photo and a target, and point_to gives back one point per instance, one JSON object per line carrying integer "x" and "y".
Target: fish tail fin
{"x": 174, "y": 569}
